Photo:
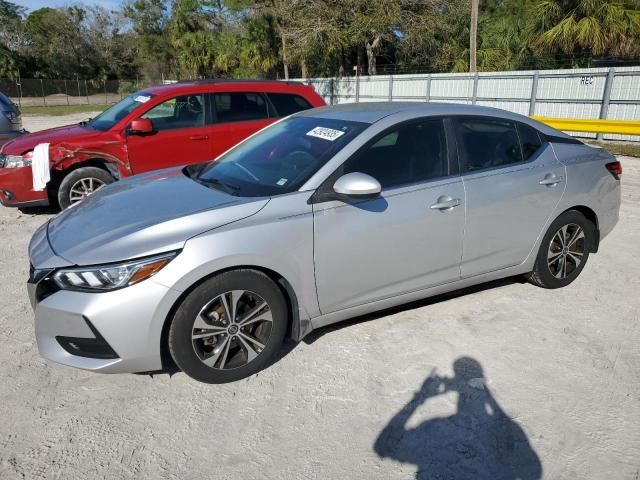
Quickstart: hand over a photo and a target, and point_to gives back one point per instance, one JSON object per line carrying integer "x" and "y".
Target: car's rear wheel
{"x": 80, "y": 183}
{"x": 564, "y": 251}
{"x": 229, "y": 327}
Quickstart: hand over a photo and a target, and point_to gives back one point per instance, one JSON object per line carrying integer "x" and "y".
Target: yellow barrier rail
{"x": 621, "y": 127}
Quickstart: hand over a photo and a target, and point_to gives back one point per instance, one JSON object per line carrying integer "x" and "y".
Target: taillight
{"x": 615, "y": 168}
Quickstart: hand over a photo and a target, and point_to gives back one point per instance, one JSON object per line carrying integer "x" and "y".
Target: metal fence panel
{"x": 518, "y": 107}
{"x": 515, "y": 87}
{"x": 589, "y": 93}
{"x": 624, "y": 112}
{"x": 581, "y": 93}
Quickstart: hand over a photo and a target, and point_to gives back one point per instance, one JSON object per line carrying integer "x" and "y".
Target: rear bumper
{"x": 608, "y": 210}
{"x": 16, "y": 188}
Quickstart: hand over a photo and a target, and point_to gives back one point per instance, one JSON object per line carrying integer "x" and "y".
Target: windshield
{"x": 279, "y": 159}
{"x": 117, "y": 112}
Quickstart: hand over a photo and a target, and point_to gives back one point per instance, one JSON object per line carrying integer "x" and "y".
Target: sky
{"x": 36, "y": 4}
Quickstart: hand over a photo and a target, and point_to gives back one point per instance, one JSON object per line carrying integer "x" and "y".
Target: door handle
{"x": 445, "y": 203}
{"x": 199, "y": 137}
{"x": 551, "y": 180}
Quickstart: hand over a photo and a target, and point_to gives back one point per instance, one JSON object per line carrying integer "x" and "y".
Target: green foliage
{"x": 181, "y": 39}
{"x": 587, "y": 28}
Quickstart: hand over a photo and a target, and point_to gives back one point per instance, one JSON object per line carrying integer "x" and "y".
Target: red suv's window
{"x": 288, "y": 103}
{"x": 186, "y": 111}
{"x": 240, "y": 107}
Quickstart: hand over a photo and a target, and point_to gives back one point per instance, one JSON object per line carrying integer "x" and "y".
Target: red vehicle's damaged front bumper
{"x": 16, "y": 188}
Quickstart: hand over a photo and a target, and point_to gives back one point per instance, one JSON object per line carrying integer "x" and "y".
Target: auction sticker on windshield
{"x": 325, "y": 133}
{"x": 142, "y": 98}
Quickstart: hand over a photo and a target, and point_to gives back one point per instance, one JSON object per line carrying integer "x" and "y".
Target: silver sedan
{"x": 328, "y": 214}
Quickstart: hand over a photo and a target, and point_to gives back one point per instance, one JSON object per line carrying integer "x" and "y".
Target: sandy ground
{"x": 33, "y": 123}
{"x": 561, "y": 398}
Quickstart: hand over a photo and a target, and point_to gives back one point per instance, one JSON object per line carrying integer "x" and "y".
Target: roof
{"x": 170, "y": 87}
{"x": 371, "y": 112}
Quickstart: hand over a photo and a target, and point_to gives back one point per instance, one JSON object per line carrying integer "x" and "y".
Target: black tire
{"x": 93, "y": 174}
{"x": 182, "y": 346}
{"x": 547, "y": 272}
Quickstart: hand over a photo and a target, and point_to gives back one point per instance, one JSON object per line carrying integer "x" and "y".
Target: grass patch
{"x": 629, "y": 149}
{"x": 62, "y": 109}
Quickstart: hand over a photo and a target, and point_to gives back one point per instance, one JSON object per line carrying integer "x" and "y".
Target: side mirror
{"x": 357, "y": 184}
{"x": 140, "y": 126}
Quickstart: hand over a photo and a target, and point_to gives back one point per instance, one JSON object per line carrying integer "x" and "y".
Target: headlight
{"x": 17, "y": 161}
{"x": 103, "y": 278}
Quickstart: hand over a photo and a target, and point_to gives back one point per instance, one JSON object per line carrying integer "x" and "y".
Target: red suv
{"x": 152, "y": 129}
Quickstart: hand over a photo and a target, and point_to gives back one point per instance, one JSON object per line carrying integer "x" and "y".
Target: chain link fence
{"x": 28, "y": 92}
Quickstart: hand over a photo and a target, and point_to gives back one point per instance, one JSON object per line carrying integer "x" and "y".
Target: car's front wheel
{"x": 564, "y": 251}
{"x": 229, "y": 327}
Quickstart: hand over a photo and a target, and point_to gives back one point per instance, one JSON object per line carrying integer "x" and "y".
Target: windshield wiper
{"x": 86, "y": 123}
{"x": 214, "y": 182}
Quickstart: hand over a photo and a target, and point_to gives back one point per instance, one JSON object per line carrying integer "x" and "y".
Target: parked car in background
{"x": 10, "y": 120}
{"x": 155, "y": 128}
{"x": 331, "y": 213}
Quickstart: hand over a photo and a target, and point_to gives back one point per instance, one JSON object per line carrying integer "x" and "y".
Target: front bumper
{"x": 16, "y": 188}
{"x": 126, "y": 322}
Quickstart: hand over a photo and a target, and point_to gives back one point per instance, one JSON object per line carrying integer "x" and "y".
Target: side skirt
{"x": 334, "y": 317}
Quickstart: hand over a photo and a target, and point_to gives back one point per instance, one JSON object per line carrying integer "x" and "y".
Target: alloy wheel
{"x": 83, "y": 188}
{"x": 232, "y": 329}
{"x": 566, "y": 250}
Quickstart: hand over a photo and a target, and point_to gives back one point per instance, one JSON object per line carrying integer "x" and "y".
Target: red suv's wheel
{"x": 80, "y": 183}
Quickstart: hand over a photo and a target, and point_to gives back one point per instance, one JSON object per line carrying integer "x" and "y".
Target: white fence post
{"x": 428, "y": 92}
{"x": 474, "y": 96}
{"x": 534, "y": 94}
{"x": 606, "y": 97}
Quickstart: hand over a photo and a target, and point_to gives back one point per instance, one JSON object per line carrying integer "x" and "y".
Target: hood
{"x": 69, "y": 133}
{"x": 143, "y": 215}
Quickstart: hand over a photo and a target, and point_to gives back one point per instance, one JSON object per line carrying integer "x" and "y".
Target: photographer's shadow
{"x": 478, "y": 442}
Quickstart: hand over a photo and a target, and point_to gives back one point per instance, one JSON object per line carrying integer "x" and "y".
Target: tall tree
{"x": 56, "y": 37}
{"x": 150, "y": 21}
{"x": 587, "y": 28}
{"x": 10, "y": 38}
{"x": 473, "y": 36}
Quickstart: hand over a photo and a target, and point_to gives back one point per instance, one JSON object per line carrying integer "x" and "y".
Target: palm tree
{"x": 473, "y": 35}
{"x": 587, "y": 28}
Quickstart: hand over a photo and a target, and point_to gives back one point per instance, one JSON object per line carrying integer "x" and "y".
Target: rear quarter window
{"x": 529, "y": 139}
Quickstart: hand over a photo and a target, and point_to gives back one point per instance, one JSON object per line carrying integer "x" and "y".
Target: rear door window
{"x": 488, "y": 143}
{"x": 239, "y": 107}
{"x": 288, "y": 103}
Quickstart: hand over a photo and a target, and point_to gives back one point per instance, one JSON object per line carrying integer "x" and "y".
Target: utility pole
{"x": 473, "y": 36}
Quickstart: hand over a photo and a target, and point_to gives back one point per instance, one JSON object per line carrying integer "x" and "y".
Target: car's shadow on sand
{"x": 33, "y": 211}
{"x": 319, "y": 333}
{"x": 170, "y": 368}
